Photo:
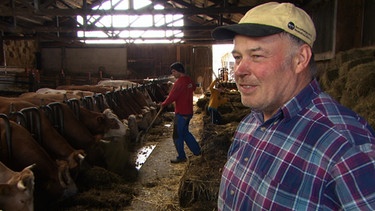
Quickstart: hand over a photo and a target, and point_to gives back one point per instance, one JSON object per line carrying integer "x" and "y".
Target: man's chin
{"x": 247, "y": 103}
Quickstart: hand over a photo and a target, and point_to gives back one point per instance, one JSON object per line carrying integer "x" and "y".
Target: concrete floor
{"x": 159, "y": 180}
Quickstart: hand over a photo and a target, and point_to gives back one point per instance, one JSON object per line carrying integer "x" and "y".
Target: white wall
{"x": 84, "y": 60}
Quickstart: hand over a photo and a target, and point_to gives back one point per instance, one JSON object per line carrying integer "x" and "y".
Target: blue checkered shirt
{"x": 314, "y": 154}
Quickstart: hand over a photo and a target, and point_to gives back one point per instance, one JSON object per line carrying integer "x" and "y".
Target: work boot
{"x": 179, "y": 160}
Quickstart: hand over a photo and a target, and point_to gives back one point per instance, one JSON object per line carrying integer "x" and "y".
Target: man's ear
{"x": 302, "y": 58}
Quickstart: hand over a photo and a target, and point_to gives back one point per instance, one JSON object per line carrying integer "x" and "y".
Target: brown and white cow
{"x": 125, "y": 103}
{"x": 118, "y": 83}
{"x": 96, "y": 122}
{"x": 106, "y": 127}
{"x": 70, "y": 93}
{"x": 16, "y": 189}
{"x": 64, "y": 96}
{"x": 91, "y": 88}
{"x": 79, "y": 131}
{"x": 52, "y": 178}
{"x": 52, "y": 141}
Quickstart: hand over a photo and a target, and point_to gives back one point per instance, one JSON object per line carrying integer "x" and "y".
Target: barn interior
{"x": 51, "y": 44}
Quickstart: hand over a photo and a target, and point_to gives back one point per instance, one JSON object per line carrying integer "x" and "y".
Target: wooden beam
{"x": 6, "y": 11}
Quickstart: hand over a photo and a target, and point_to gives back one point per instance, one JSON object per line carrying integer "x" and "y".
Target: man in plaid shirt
{"x": 298, "y": 149}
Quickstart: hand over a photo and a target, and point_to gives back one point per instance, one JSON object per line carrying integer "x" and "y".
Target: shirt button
{"x": 246, "y": 159}
{"x": 232, "y": 192}
{"x": 275, "y": 122}
{"x": 263, "y": 129}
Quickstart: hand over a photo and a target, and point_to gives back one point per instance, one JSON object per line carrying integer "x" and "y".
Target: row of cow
{"x": 60, "y": 130}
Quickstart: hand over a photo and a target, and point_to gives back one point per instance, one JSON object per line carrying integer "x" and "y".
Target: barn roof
{"x": 55, "y": 20}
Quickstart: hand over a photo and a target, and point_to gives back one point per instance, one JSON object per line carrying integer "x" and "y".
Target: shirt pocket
{"x": 283, "y": 179}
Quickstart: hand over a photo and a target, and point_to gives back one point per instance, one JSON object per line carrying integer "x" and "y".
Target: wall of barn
{"x": 70, "y": 65}
{"x": 133, "y": 62}
{"x": 342, "y": 25}
{"x": 85, "y": 61}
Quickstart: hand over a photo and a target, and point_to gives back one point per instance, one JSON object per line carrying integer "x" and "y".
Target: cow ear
{"x": 26, "y": 183}
{"x": 31, "y": 166}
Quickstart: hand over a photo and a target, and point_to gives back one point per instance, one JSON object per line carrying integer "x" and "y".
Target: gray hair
{"x": 297, "y": 42}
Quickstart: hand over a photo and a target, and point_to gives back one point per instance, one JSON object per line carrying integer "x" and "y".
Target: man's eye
{"x": 237, "y": 57}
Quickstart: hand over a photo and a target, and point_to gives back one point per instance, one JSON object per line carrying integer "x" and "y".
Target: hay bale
{"x": 328, "y": 77}
{"x": 360, "y": 83}
{"x": 361, "y": 80}
{"x": 347, "y": 66}
{"x": 365, "y": 107}
{"x": 200, "y": 183}
{"x": 20, "y": 53}
{"x": 345, "y": 56}
{"x": 337, "y": 88}
{"x": 193, "y": 190}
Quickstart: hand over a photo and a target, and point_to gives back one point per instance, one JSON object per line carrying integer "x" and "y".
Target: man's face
{"x": 263, "y": 72}
{"x": 175, "y": 73}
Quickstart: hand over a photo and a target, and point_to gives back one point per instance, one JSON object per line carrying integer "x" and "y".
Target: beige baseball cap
{"x": 271, "y": 18}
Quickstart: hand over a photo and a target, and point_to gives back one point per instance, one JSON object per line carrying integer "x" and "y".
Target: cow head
{"x": 96, "y": 122}
{"x": 116, "y": 127}
{"x": 16, "y": 189}
{"x": 65, "y": 179}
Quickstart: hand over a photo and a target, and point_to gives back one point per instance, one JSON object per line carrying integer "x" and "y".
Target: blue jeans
{"x": 181, "y": 133}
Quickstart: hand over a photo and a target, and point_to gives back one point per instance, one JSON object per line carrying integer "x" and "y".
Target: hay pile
{"x": 349, "y": 78}
{"x": 200, "y": 183}
{"x": 100, "y": 189}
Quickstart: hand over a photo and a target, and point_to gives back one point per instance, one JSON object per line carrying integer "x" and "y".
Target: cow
{"x": 118, "y": 83}
{"x": 99, "y": 151}
{"x": 59, "y": 96}
{"x": 64, "y": 96}
{"x": 115, "y": 150}
{"x": 125, "y": 103}
{"x": 52, "y": 141}
{"x": 94, "y": 121}
{"x": 16, "y": 189}
{"x": 78, "y": 130}
{"x": 53, "y": 180}
{"x": 91, "y": 88}
{"x": 114, "y": 132}
{"x": 122, "y": 108}
{"x": 98, "y": 123}
{"x": 70, "y": 93}
{"x": 158, "y": 92}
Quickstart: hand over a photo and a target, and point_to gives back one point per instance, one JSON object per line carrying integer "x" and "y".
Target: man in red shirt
{"x": 182, "y": 95}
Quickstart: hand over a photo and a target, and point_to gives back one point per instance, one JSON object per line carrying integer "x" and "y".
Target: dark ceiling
{"x": 54, "y": 21}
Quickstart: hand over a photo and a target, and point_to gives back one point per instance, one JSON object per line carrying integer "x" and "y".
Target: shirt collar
{"x": 301, "y": 100}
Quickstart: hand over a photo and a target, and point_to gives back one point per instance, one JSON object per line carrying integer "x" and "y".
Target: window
{"x": 122, "y": 28}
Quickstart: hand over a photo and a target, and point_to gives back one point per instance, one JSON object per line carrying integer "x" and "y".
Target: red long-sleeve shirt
{"x": 182, "y": 94}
